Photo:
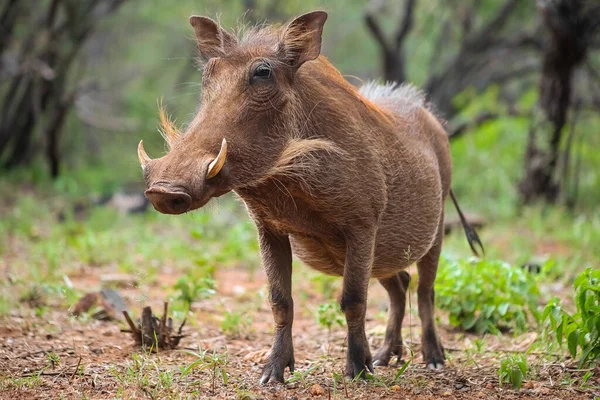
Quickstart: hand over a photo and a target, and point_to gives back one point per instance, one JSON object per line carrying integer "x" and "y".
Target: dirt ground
{"x": 111, "y": 366}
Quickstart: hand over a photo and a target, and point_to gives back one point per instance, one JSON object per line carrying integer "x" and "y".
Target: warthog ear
{"x": 301, "y": 38}
{"x": 212, "y": 40}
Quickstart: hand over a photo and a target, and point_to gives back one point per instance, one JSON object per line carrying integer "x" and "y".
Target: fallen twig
{"x": 76, "y": 369}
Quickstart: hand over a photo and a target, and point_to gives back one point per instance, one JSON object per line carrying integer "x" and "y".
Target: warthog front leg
{"x": 357, "y": 271}
{"x": 433, "y": 352}
{"x": 396, "y": 287}
{"x": 277, "y": 260}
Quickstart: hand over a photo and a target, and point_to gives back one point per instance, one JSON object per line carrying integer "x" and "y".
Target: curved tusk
{"x": 216, "y": 164}
{"x": 142, "y": 156}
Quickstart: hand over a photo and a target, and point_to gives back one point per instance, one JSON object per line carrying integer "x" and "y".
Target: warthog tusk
{"x": 142, "y": 156}
{"x": 216, "y": 164}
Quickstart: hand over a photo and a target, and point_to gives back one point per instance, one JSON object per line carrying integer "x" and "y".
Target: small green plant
{"x": 329, "y": 315}
{"x": 192, "y": 289}
{"x": 213, "y": 362}
{"x": 513, "y": 370}
{"x": 53, "y": 360}
{"x": 486, "y": 296}
{"x": 299, "y": 375}
{"x": 582, "y": 329}
{"x": 235, "y": 324}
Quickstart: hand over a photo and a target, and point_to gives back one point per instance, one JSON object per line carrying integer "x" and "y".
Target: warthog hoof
{"x": 384, "y": 355}
{"x": 358, "y": 360}
{"x": 275, "y": 367}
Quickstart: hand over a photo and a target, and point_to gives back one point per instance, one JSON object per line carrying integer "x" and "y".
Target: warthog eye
{"x": 261, "y": 72}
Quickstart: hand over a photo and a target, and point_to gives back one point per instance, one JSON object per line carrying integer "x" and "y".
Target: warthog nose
{"x": 169, "y": 202}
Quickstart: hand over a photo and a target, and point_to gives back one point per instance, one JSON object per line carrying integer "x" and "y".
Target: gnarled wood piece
{"x": 152, "y": 332}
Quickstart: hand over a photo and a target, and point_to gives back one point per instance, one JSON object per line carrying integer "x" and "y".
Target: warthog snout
{"x": 168, "y": 202}
{"x": 178, "y": 183}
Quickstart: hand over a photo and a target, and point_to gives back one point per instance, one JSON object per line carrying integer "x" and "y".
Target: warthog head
{"x": 249, "y": 109}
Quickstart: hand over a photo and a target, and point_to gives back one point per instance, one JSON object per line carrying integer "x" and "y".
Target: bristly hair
{"x": 408, "y": 97}
{"x": 299, "y": 158}
{"x": 167, "y": 128}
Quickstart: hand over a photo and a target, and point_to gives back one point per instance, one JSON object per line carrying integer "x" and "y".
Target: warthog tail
{"x": 471, "y": 234}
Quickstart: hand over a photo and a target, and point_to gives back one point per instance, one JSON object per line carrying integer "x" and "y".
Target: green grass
{"x": 47, "y": 235}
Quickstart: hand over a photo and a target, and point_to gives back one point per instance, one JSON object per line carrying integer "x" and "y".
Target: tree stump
{"x": 152, "y": 333}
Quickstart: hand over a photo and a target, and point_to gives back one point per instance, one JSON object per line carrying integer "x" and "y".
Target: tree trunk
{"x": 566, "y": 49}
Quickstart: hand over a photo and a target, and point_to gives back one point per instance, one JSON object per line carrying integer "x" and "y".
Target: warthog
{"x": 352, "y": 182}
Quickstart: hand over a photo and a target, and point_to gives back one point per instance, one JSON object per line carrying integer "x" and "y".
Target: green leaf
{"x": 503, "y": 308}
{"x": 469, "y": 322}
{"x": 572, "y": 341}
{"x": 516, "y": 378}
{"x": 402, "y": 369}
{"x": 225, "y": 376}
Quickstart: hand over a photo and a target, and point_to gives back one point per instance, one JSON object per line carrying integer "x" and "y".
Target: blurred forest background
{"x": 518, "y": 82}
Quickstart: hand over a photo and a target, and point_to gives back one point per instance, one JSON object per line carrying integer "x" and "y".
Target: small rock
{"x": 395, "y": 388}
{"x": 446, "y": 394}
{"x": 545, "y": 390}
{"x": 258, "y": 356}
{"x": 317, "y": 390}
{"x": 489, "y": 386}
{"x": 528, "y": 385}
{"x": 480, "y": 394}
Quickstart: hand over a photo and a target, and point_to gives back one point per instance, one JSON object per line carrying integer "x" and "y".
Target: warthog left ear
{"x": 212, "y": 40}
{"x": 301, "y": 39}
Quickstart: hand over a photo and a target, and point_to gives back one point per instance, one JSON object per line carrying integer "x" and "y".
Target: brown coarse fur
{"x": 352, "y": 182}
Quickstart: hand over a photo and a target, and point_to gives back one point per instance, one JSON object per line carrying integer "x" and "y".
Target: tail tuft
{"x": 472, "y": 236}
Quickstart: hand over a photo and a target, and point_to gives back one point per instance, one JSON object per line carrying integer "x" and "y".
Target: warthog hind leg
{"x": 433, "y": 352}
{"x": 392, "y": 346}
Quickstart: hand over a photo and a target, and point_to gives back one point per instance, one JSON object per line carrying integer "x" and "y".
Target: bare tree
{"x": 391, "y": 50}
{"x": 495, "y": 52}
{"x": 39, "y": 45}
{"x": 573, "y": 25}
{"x": 475, "y": 63}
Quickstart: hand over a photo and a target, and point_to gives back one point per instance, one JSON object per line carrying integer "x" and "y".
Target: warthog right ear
{"x": 212, "y": 40}
{"x": 301, "y": 39}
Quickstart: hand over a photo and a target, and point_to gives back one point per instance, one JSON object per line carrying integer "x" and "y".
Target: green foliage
{"x": 485, "y": 295}
{"x": 327, "y": 285}
{"x": 329, "y": 315}
{"x": 235, "y": 324}
{"x": 513, "y": 370}
{"x": 582, "y": 329}
{"x": 192, "y": 289}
